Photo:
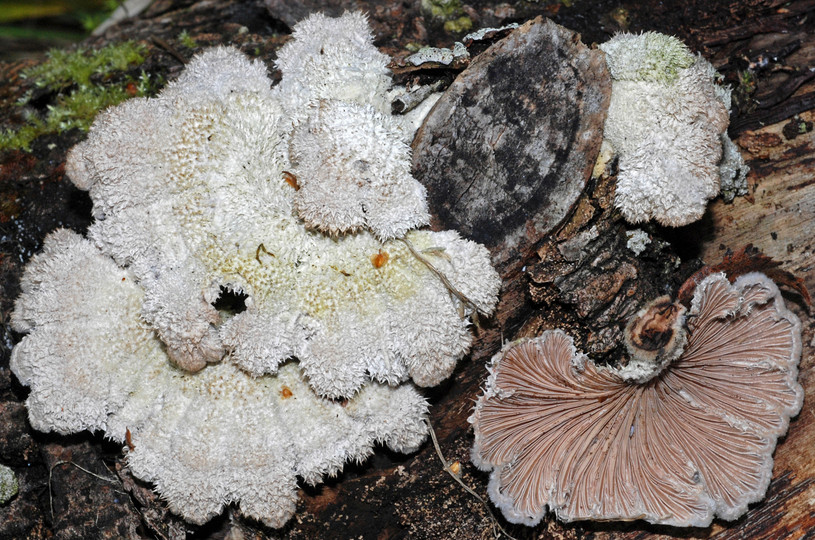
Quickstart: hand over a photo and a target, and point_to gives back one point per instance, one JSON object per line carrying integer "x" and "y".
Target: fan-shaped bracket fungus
{"x": 667, "y": 122}
{"x": 693, "y": 441}
{"x": 205, "y": 439}
{"x": 296, "y": 198}
{"x": 283, "y": 195}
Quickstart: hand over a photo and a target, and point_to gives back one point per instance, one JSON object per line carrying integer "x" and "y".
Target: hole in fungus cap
{"x": 694, "y": 441}
{"x": 230, "y": 302}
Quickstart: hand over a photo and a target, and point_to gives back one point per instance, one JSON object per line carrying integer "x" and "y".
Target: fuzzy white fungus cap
{"x": 346, "y": 182}
{"x": 191, "y": 194}
{"x": 208, "y": 439}
{"x": 194, "y": 198}
{"x": 560, "y": 434}
{"x": 667, "y": 121}
{"x": 333, "y": 58}
{"x": 350, "y": 156}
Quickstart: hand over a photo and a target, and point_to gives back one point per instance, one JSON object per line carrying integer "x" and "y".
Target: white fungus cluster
{"x": 297, "y": 199}
{"x": 667, "y": 122}
{"x": 207, "y": 439}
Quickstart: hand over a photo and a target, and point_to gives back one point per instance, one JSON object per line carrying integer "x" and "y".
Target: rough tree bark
{"x": 559, "y": 245}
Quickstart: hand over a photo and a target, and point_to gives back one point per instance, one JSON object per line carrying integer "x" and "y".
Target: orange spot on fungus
{"x": 291, "y": 180}
{"x": 129, "y": 440}
{"x": 379, "y": 259}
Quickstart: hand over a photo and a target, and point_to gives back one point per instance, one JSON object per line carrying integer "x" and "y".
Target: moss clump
{"x": 446, "y": 10}
{"x": 460, "y": 25}
{"x": 65, "y": 68}
{"x": 82, "y": 84}
{"x": 186, "y": 40}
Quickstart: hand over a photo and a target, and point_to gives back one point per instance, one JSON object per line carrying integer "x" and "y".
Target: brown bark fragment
{"x": 508, "y": 149}
{"x": 588, "y": 279}
{"x": 745, "y": 260}
{"x": 153, "y": 512}
{"x": 17, "y": 446}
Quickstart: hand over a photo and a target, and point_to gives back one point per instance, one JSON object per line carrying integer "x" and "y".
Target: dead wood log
{"x": 566, "y": 262}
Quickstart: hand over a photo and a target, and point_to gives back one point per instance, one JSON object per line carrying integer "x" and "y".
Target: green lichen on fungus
{"x": 8, "y": 484}
{"x": 656, "y": 57}
{"x": 83, "y": 83}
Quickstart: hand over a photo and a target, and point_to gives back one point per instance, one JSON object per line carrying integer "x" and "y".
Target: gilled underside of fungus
{"x": 692, "y": 441}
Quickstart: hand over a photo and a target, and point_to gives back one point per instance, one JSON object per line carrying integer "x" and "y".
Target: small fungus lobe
{"x": 291, "y": 180}
{"x": 379, "y": 259}
{"x": 667, "y": 122}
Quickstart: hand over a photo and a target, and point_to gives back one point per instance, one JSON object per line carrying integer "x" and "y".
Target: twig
{"x": 262, "y": 248}
{"x": 410, "y": 100}
{"x": 450, "y": 287}
{"x": 468, "y": 489}
{"x": 169, "y": 49}
{"x": 63, "y": 462}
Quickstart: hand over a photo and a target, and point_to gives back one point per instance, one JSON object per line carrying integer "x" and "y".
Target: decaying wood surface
{"x": 528, "y": 115}
{"x": 570, "y": 268}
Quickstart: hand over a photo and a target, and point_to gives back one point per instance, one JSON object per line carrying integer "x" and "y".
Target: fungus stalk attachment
{"x": 654, "y": 337}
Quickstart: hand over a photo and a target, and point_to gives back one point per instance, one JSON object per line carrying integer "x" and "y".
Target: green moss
{"x": 64, "y": 68}
{"x": 187, "y": 41}
{"x": 78, "y": 109}
{"x": 647, "y": 57}
{"x": 459, "y": 26}
{"x": 21, "y": 138}
{"x": 82, "y": 83}
{"x": 446, "y": 10}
